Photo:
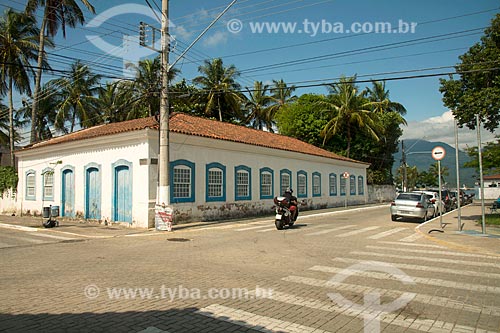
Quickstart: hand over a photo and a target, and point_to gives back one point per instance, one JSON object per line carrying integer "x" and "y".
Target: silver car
{"x": 412, "y": 205}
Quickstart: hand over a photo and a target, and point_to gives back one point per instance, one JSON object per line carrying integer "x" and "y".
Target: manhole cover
{"x": 178, "y": 239}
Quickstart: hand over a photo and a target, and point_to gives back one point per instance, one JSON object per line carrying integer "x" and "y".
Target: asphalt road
{"x": 337, "y": 272}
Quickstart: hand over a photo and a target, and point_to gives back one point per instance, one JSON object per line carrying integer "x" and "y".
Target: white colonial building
{"x": 217, "y": 171}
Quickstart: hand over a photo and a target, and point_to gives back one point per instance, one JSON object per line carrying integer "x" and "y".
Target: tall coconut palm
{"x": 282, "y": 94}
{"x": 46, "y": 118}
{"x": 147, "y": 85}
{"x": 4, "y": 124}
{"x": 78, "y": 100}
{"x": 349, "y": 111}
{"x": 56, "y": 13}
{"x": 259, "y": 105}
{"x": 220, "y": 90}
{"x": 379, "y": 94}
{"x": 18, "y": 45}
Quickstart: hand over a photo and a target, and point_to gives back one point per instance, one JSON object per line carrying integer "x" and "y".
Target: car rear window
{"x": 409, "y": 196}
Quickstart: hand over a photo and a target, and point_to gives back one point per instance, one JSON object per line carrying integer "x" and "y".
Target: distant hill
{"x": 418, "y": 153}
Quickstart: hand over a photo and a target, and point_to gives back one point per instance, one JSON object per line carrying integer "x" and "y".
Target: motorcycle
{"x": 283, "y": 213}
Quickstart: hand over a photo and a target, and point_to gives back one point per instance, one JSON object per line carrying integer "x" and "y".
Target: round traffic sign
{"x": 438, "y": 153}
{"x": 345, "y": 175}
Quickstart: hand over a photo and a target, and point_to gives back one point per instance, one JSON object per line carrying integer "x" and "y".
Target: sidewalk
{"x": 470, "y": 238}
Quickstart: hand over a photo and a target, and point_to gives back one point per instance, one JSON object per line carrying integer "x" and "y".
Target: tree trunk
{"x": 11, "y": 125}
{"x": 38, "y": 78}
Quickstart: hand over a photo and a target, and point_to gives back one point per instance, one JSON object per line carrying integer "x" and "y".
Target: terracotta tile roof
{"x": 491, "y": 177}
{"x": 190, "y": 125}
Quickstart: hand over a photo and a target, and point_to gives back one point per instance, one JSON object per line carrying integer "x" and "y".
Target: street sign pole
{"x": 438, "y": 153}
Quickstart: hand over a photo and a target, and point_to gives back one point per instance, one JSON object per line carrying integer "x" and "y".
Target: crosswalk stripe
{"x": 429, "y": 269}
{"x": 40, "y": 234}
{"x": 386, "y": 233}
{"x": 251, "y": 228}
{"x": 413, "y": 244}
{"x": 397, "y": 319}
{"x": 411, "y": 238}
{"x": 267, "y": 230}
{"x": 253, "y": 321}
{"x": 359, "y": 231}
{"x": 399, "y": 277}
{"x": 421, "y": 258}
{"x": 442, "y": 253}
{"x": 2, "y": 245}
{"x": 26, "y": 239}
{"x": 390, "y": 293}
{"x": 322, "y": 232}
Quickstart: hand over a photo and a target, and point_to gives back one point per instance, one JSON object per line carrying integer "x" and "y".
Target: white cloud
{"x": 441, "y": 128}
{"x": 217, "y": 38}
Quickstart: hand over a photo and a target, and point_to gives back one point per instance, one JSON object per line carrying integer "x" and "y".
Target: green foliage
{"x": 490, "y": 157}
{"x": 477, "y": 91}
{"x": 8, "y": 178}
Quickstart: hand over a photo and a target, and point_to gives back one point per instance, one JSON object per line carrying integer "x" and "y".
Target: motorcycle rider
{"x": 293, "y": 203}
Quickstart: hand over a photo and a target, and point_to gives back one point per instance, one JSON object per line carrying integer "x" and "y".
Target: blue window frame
{"x": 285, "y": 180}
{"x": 215, "y": 182}
{"x": 182, "y": 176}
{"x": 48, "y": 184}
{"x": 361, "y": 185}
{"x": 242, "y": 183}
{"x": 333, "y": 184}
{"x": 352, "y": 184}
{"x": 301, "y": 184}
{"x": 343, "y": 184}
{"x": 266, "y": 183}
{"x": 30, "y": 185}
{"x": 316, "y": 184}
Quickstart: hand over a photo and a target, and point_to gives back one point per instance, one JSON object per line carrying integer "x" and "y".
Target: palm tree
{"x": 147, "y": 86}
{"x": 260, "y": 107}
{"x": 77, "y": 94}
{"x": 220, "y": 90}
{"x": 434, "y": 171}
{"x": 349, "y": 111}
{"x": 18, "y": 45}
{"x": 56, "y": 13}
{"x": 379, "y": 94}
{"x": 47, "y": 106}
{"x": 282, "y": 94}
{"x": 4, "y": 124}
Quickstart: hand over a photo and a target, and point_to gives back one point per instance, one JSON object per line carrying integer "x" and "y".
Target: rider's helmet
{"x": 289, "y": 190}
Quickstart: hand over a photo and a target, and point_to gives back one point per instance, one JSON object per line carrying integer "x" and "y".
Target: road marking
{"x": 4, "y": 245}
{"x": 444, "y": 302}
{"x": 430, "y": 269}
{"x": 251, "y": 228}
{"x": 40, "y": 234}
{"x": 397, "y": 319}
{"x": 359, "y": 231}
{"x": 267, "y": 230}
{"x": 440, "y": 260}
{"x": 387, "y": 233}
{"x": 414, "y": 244}
{"x": 401, "y": 277}
{"x": 322, "y": 232}
{"x": 441, "y": 253}
{"x": 252, "y": 320}
{"x": 17, "y": 227}
{"x": 25, "y": 239}
{"x": 411, "y": 238}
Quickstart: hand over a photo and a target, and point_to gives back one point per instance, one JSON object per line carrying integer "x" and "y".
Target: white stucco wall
{"x": 103, "y": 152}
{"x": 202, "y": 151}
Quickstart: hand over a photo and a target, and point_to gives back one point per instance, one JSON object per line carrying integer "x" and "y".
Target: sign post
{"x": 438, "y": 153}
{"x": 346, "y": 175}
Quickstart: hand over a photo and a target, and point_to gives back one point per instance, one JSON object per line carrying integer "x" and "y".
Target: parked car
{"x": 412, "y": 205}
{"x": 439, "y": 205}
{"x": 446, "y": 198}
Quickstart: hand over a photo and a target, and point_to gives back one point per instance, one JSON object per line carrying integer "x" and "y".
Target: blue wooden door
{"x": 68, "y": 193}
{"x": 93, "y": 194}
{"x": 123, "y": 194}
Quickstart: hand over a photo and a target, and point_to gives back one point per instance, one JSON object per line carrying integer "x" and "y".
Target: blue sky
{"x": 302, "y": 57}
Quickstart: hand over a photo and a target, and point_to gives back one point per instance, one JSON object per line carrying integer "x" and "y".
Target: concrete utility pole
{"x": 403, "y": 160}
{"x": 163, "y": 167}
{"x": 457, "y": 164}
{"x": 481, "y": 181}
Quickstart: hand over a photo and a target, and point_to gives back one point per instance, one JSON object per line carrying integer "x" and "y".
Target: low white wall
{"x": 8, "y": 202}
{"x": 381, "y": 193}
{"x": 490, "y": 193}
